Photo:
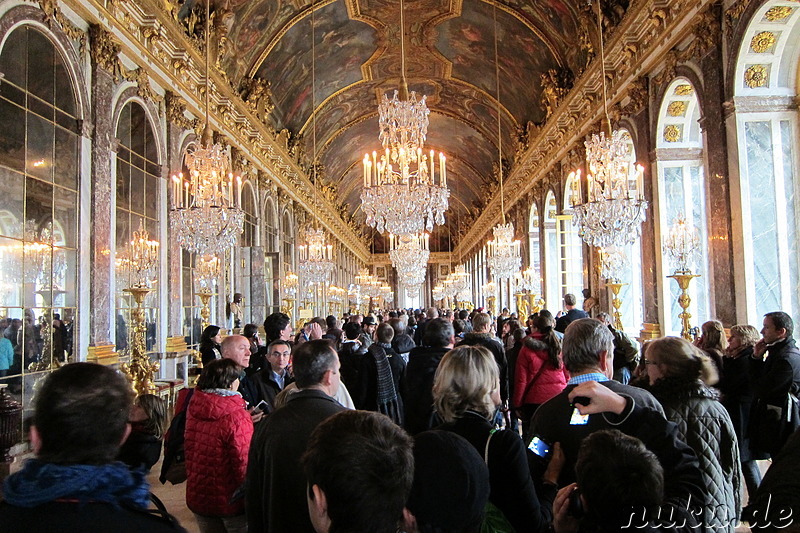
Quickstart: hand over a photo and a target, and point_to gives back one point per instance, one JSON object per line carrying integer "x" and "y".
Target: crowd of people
{"x": 435, "y": 421}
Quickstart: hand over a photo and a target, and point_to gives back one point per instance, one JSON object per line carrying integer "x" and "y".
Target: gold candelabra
{"x": 205, "y": 311}
{"x": 140, "y": 369}
{"x": 536, "y": 302}
{"x": 616, "y": 302}
{"x": 684, "y": 277}
{"x": 522, "y": 304}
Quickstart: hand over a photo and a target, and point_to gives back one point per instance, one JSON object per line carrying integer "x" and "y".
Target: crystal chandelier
{"x": 528, "y": 280}
{"x": 402, "y": 194}
{"x": 613, "y": 263}
{"x": 503, "y": 251}
{"x": 207, "y": 271}
{"x": 44, "y": 263}
{"x": 142, "y": 258}
{"x": 206, "y": 214}
{"x": 316, "y": 257}
{"x": 682, "y": 245}
{"x": 613, "y": 211}
{"x": 409, "y": 255}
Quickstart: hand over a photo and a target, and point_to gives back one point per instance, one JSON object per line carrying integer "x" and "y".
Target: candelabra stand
{"x": 490, "y": 304}
{"x": 205, "y": 311}
{"x": 522, "y": 305}
{"x": 616, "y": 302}
{"x": 140, "y": 369}
{"x": 536, "y": 302}
{"x": 684, "y": 277}
{"x": 288, "y": 308}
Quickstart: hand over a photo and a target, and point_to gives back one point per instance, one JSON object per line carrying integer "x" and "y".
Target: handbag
{"x": 494, "y": 521}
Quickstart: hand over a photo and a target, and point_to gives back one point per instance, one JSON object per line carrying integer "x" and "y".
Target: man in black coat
{"x": 276, "y": 486}
{"x": 776, "y": 384}
{"x": 422, "y": 364}
{"x": 572, "y": 313}
{"x": 588, "y": 352}
{"x": 75, "y": 483}
{"x": 273, "y": 378}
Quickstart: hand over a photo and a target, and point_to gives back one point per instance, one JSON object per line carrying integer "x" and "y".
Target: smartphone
{"x": 539, "y": 447}
{"x": 261, "y": 407}
{"x": 577, "y": 419}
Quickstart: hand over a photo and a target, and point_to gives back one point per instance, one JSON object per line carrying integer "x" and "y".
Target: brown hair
{"x": 679, "y": 358}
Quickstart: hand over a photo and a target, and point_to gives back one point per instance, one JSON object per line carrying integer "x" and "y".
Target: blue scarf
{"x": 39, "y": 483}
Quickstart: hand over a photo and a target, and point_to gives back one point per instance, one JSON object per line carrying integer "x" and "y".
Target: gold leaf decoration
{"x": 763, "y": 42}
{"x": 672, "y": 133}
{"x": 676, "y": 108}
{"x": 756, "y": 76}
{"x": 684, "y": 90}
{"x": 778, "y": 13}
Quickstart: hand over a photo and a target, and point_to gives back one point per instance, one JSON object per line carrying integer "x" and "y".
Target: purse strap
{"x": 486, "y": 449}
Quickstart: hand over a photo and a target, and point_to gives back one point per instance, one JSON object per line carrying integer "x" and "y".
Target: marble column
{"x": 102, "y": 205}
{"x": 174, "y": 251}
{"x": 258, "y": 285}
{"x": 717, "y": 191}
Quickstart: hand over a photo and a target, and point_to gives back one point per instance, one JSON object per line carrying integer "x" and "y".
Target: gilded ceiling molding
{"x": 105, "y": 50}
{"x": 655, "y": 29}
{"x": 175, "y": 108}
{"x": 162, "y": 44}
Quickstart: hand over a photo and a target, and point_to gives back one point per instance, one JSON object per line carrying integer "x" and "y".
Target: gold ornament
{"x": 677, "y": 108}
{"x": 684, "y": 90}
{"x": 762, "y": 42}
{"x": 672, "y": 133}
{"x": 756, "y": 76}
{"x": 778, "y": 13}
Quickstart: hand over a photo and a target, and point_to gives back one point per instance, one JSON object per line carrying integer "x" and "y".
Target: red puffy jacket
{"x": 533, "y": 365}
{"x": 217, "y": 441}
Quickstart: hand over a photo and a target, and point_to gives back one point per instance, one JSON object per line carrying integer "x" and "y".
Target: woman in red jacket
{"x": 539, "y": 374}
{"x": 218, "y": 433}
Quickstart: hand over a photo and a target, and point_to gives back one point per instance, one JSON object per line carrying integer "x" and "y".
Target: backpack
{"x": 173, "y": 468}
{"x": 494, "y": 521}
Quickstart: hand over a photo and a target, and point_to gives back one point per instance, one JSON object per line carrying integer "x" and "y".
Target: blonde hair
{"x": 464, "y": 381}
{"x": 747, "y": 333}
{"x": 156, "y": 410}
{"x": 714, "y": 336}
{"x": 679, "y": 358}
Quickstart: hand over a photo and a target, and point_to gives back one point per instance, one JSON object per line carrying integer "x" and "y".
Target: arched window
{"x": 552, "y": 260}
{"x": 270, "y": 226}
{"x": 570, "y": 250}
{"x": 534, "y": 250}
{"x": 681, "y": 191}
{"x": 39, "y": 203}
{"x": 250, "y": 215}
{"x": 287, "y": 243}
{"x": 632, "y": 309}
{"x": 766, "y": 79}
{"x": 138, "y": 187}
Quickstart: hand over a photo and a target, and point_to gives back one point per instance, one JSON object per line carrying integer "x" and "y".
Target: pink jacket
{"x": 533, "y": 364}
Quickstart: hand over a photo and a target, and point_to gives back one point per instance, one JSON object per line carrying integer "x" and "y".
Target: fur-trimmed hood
{"x": 534, "y": 343}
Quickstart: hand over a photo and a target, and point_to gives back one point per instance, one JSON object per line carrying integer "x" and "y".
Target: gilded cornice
{"x": 147, "y": 30}
{"x": 647, "y": 33}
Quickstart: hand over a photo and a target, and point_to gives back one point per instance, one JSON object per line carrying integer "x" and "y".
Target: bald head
{"x": 237, "y": 348}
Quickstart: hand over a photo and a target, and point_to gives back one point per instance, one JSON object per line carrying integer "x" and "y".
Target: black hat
{"x": 368, "y": 321}
{"x": 451, "y": 482}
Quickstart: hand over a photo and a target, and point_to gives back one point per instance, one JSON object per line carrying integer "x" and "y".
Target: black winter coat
{"x": 418, "y": 390}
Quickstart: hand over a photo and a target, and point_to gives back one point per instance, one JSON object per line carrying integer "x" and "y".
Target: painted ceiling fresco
{"x": 450, "y": 58}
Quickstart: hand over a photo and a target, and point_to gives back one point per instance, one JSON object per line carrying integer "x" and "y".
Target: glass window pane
{"x": 151, "y": 196}
{"x": 14, "y": 58}
{"x": 787, "y": 145}
{"x": 38, "y": 202}
{"x": 66, "y": 156}
{"x": 12, "y": 194}
{"x": 12, "y": 136}
{"x": 10, "y": 268}
{"x": 65, "y": 97}
{"x": 137, "y": 190}
{"x": 65, "y": 209}
{"x": 761, "y": 172}
{"x": 41, "y": 136}
{"x": 123, "y": 184}
{"x": 41, "y": 59}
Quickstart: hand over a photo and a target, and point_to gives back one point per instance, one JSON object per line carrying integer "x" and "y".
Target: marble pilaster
{"x": 174, "y": 251}
{"x": 258, "y": 285}
{"x": 718, "y": 196}
{"x": 101, "y": 207}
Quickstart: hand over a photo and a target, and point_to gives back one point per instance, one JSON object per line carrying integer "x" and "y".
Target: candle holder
{"x": 616, "y": 302}
{"x": 140, "y": 370}
{"x": 684, "y": 278}
{"x": 205, "y": 311}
